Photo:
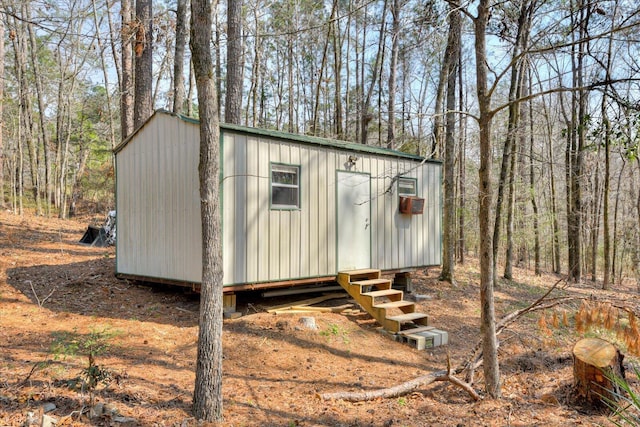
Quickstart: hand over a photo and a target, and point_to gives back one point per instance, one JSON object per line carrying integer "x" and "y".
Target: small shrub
{"x": 95, "y": 343}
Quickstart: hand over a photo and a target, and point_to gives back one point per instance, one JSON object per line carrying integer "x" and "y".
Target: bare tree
{"x": 485, "y": 194}
{"x": 126, "y": 83}
{"x": 576, "y": 142}
{"x": 532, "y": 182}
{"x": 233, "y": 97}
{"x": 396, "y": 9}
{"x": 449, "y": 215}
{"x": 178, "y": 59}
{"x": 366, "y": 115}
{"x": 520, "y": 45}
{"x": 2, "y": 58}
{"x": 143, "y": 81}
{"x": 207, "y": 395}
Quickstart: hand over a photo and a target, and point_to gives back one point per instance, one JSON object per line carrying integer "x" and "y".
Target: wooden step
{"x": 360, "y": 272}
{"x": 383, "y": 293}
{"x": 408, "y": 317}
{"x": 394, "y": 304}
{"x": 379, "y": 284}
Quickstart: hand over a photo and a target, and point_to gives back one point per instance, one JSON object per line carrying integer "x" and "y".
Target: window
{"x": 285, "y": 186}
{"x": 407, "y": 187}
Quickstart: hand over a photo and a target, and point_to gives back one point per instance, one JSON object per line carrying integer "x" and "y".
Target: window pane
{"x": 284, "y": 175}
{"x": 284, "y": 196}
{"x": 407, "y": 187}
{"x": 285, "y": 186}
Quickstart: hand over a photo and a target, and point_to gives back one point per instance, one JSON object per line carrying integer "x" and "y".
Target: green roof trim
{"x": 303, "y": 139}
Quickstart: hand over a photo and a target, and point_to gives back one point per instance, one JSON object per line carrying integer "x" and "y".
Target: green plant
{"x": 402, "y": 401}
{"x": 332, "y": 329}
{"x": 336, "y": 331}
{"x": 626, "y": 407}
{"x": 95, "y": 343}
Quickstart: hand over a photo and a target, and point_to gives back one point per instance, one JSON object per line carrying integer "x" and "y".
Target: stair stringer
{"x": 357, "y": 281}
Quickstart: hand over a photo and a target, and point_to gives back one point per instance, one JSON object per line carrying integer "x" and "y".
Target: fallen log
{"x": 595, "y": 362}
{"x": 401, "y": 389}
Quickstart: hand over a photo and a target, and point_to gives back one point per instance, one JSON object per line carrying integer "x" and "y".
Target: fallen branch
{"x": 395, "y": 391}
{"x": 41, "y": 302}
{"x": 405, "y": 388}
{"x": 36, "y": 366}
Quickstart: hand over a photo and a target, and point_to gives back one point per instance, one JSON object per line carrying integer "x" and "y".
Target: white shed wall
{"x": 263, "y": 245}
{"x": 159, "y": 231}
{"x": 157, "y": 200}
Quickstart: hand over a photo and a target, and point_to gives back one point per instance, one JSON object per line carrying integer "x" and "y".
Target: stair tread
{"x": 371, "y": 282}
{"x": 382, "y": 293}
{"x": 394, "y": 304}
{"x": 360, "y": 271}
{"x": 407, "y": 317}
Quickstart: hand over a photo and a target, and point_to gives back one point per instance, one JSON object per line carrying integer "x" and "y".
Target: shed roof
{"x": 303, "y": 139}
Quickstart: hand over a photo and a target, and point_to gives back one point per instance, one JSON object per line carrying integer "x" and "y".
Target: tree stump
{"x": 593, "y": 360}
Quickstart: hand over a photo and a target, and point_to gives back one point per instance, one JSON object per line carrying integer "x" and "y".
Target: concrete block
{"x": 231, "y": 314}
{"x": 420, "y": 341}
{"x": 438, "y": 336}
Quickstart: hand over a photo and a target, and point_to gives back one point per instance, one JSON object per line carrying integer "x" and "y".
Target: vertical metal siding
{"x": 159, "y": 231}
{"x": 157, "y": 187}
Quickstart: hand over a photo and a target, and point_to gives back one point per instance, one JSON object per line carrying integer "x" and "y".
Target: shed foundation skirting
{"x": 405, "y": 273}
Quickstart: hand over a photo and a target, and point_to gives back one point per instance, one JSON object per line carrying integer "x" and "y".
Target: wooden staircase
{"x": 386, "y": 305}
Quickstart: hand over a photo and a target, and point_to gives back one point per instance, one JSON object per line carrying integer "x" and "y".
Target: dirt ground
{"x": 60, "y": 301}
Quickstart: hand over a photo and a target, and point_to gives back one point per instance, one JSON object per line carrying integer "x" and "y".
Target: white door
{"x": 354, "y": 220}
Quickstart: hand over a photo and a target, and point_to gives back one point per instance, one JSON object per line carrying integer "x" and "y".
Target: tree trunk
{"x": 532, "y": 184}
{"x": 20, "y": 48}
{"x": 595, "y": 361}
{"x": 606, "y": 232}
{"x": 462, "y": 173}
{"x": 437, "y": 143}
{"x": 337, "y": 68}
{"x": 511, "y": 207}
{"x": 595, "y": 219}
{"x": 235, "y": 55}
{"x": 2, "y": 59}
{"x": 576, "y": 145}
{"x": 126, "y": 84}
{"x": 513, "y": 123}
{"x": 37, "y": 75}
{"x": 143, "y": 102}
{"x": 366, "y": 103}
{"x": 105, "y": 74}
{"x": 178, "y": 61}
{"x": 555, "y": 246}
{"x": 292, "y": 125}
{"x": 323, "y": 64}
{"x": 255, "y": 73}
{"x": 449, "y": 211}
{"x": 207, "y": 396}
{"x": 396, "y": 7}
{"x": 487, "y": 309}
{"x": 614, "y": 254}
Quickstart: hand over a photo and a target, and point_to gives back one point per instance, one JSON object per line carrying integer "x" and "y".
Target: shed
{"x": 295, "y": 209}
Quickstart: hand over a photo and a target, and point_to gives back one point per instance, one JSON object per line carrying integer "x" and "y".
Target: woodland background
{"x": 562, "y": 94}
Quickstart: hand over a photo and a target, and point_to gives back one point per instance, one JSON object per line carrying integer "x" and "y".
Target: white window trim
{"x": 414, "y": 183}
{"x": 282, "y": 185}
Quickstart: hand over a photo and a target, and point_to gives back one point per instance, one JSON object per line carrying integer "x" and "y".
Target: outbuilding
{"x": 295, "y": 209}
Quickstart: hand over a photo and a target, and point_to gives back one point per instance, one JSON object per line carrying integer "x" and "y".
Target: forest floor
{"x": 60, "y": 301}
